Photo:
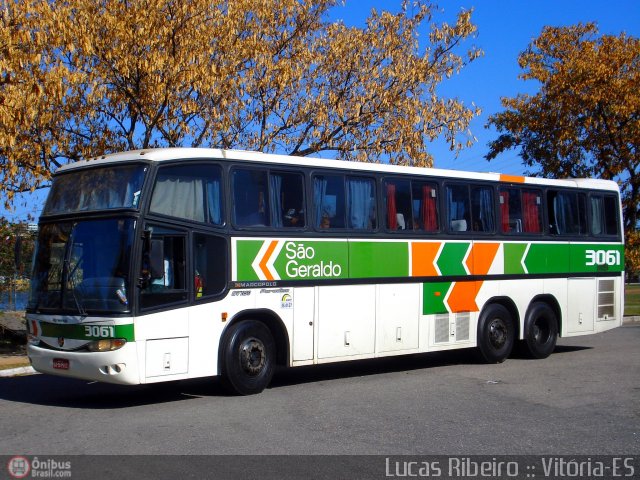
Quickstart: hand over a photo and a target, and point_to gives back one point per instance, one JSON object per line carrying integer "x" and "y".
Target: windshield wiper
{"x": 72, "y": 284}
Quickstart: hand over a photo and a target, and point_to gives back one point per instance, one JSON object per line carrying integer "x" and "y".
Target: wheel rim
{"x": 498, "y": 333}
{"x": 541, "y": 331}
{"x": 252, "y": 356}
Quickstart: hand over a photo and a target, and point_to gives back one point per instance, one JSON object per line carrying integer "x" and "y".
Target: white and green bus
{"x": 170, "y": 264}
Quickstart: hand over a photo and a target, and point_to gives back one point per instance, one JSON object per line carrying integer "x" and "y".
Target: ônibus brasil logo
{"x": 18, "y": 467}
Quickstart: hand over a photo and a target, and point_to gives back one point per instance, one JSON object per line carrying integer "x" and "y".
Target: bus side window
{"x": 397, "y": 205}
{"x": 604, "y": 215}
{"x": 286, "y": 197}
{"x": 250, "y": 198}
{"x": 567, "y": 212}
{"x": 361, "y": 203}
{"x": 329, "y": 201}
{"x": 188, "y": 192}
{"x": 424, "y": 204}
{"x": 209, "y": 264}
{"x": 510, "y": 210}
{"x": 458, "y": 212}
{"x": 482, "y": 209}
{"x": 172, "y": 286}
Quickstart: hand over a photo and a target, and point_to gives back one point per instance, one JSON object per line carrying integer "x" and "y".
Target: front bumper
{"x": 119, "y": 366}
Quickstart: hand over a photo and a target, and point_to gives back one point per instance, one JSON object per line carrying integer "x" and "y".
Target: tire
{"x": 540, "y": 331}
{"x": 248, "y": 358}
{"x": 496, "y": 333}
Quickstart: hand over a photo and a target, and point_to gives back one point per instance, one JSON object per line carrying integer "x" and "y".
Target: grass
{"x": 12, "y": 364}
{"x": 632, "y": 300}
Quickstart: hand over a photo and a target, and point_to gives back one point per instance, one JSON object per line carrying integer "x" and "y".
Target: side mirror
{"x": 152, "y": 259}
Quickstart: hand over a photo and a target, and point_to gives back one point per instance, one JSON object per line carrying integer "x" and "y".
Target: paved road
{"x": 584, "y": 399}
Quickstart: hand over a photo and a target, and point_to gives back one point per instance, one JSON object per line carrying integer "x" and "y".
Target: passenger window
{"x": 190, "y": 192}
{"x": 329, "y": 200}
{"x": 458, "y": 211}
{"x": 210, "y": 264}
{"x": 567, "y": 213}
{"x": 286, "y": 195}
{"x": 520, "y": 210}
{"x": 510, "y": 210}
{"x": 250, "y": 198}
{"x": 425, "y": 206}
{"x": 397, "y": 200}
{"x": 410, "y": 206}
{"x": 482, "y": 209}
{"x": 604, "y": 215}
{"x": 263, "y": 199}
{"x": 361, "y": 203}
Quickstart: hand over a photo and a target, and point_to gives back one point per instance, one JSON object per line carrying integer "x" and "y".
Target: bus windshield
{"x": 96, "y": 189}
{"x": 83, "y": 267}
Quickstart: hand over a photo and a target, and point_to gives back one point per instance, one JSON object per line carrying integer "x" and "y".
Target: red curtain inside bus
{"x": 392, "y": 219}
{"x": 429, "y": 209}
{"x": 531, "y": 212}
{"x": 504, "y": 211}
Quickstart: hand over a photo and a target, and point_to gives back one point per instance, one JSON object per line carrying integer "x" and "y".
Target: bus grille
{"x": 606, "y": 300}
{"x": 442, "y": 328}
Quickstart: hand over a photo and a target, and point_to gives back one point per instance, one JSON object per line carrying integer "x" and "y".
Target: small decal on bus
{"x": 286, "y": 301}
{"x": 241, "y": 293}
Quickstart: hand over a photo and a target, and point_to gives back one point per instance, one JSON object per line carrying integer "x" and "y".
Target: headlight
{"x": 106, "y": 345}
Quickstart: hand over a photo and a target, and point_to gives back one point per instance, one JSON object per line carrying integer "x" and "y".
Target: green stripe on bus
{"x": 378, "y": 259}
{"x": 597, "y": 258}
{"x": 87, "y": 332}
{"x": 302, "y": 259}
{"x": 548, "y": 258}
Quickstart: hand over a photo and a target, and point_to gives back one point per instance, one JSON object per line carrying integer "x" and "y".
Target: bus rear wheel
{"x": 496, "y": 333}
{"x": 540, "y": 331}
{"x": 248, "y": 357}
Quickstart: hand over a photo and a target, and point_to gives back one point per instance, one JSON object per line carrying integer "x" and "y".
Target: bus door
{"x": 163, "y": 323}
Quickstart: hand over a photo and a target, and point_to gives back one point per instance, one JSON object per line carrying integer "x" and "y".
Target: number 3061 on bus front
{"x": 602, "y": 257}
{"x": 98, "y": 331}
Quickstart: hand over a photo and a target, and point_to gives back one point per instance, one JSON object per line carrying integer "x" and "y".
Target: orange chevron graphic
{"x": 423, "y": 255}
{"x": 263, "y": 263}
{"x": 463, "y": 294}
{"x": 481, "y": 257}
{"x": 463, "y": 297}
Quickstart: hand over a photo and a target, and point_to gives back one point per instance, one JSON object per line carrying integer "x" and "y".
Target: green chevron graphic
{"x": 450, "y": 261}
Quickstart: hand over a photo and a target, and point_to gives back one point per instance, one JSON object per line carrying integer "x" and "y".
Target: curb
{"x": 14, "y": 372}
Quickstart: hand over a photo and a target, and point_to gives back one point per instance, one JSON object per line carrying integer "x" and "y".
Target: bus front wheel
{"x": 496, "y": 333}
{"x": 540, "y": 331}
{"x": 248, "y": 357}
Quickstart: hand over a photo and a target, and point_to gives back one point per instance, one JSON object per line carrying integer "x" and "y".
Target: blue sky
{"x": 505, "y": 28}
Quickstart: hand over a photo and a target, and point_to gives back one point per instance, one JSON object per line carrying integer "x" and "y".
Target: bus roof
{"x": 172, "y": 154}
